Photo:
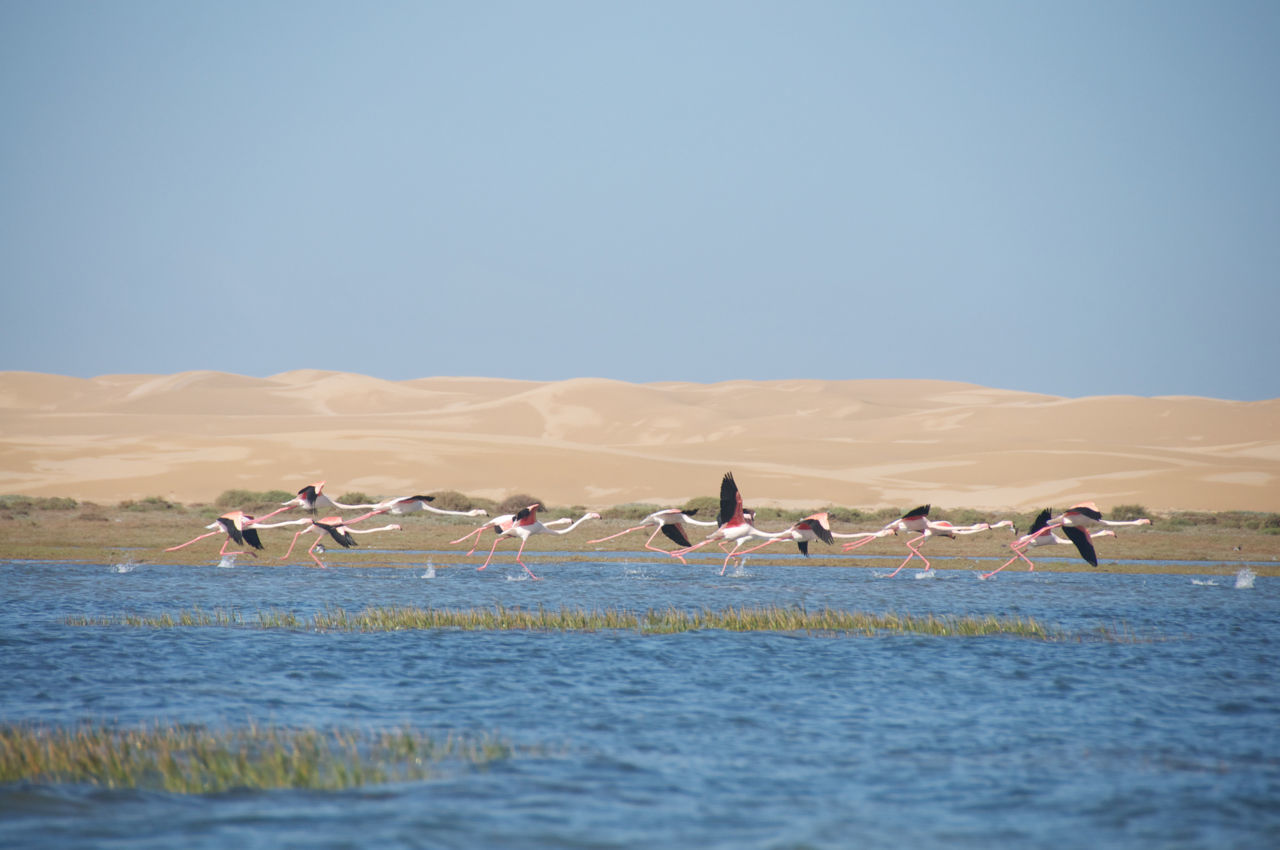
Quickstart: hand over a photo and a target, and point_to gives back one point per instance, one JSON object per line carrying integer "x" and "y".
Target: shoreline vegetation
{"x": 137, "y": 532}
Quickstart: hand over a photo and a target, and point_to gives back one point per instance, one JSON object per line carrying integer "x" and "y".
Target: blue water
{"x": 706, "y": 739}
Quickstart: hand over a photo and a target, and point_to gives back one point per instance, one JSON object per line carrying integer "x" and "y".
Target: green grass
{"x": 197, "y": 760}
{"x": 665, "y": 621}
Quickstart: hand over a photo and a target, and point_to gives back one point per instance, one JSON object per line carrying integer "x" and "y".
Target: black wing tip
{"x": 675, "y": 534}
{"x": 1041, "y": 520}
{"x": 823, "y": 535}
{"x": 1084, "y": 545}
{"x": 923, "y": 510}
{"x": 251, "y": 537}
{"x": 691, "y": 512}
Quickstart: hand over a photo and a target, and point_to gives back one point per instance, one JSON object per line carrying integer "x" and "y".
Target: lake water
{"x": 703, "y": 739}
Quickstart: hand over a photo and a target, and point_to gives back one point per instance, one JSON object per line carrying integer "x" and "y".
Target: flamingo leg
{"x": 189, "y": 542}
{"x": 914, "y": 553}
{"x": 648, "y": 544}
{"x": 312, "y": 553}
{"x": 519, "y": 552}
{"x": 293, "y": 542}
{"x": 492, "y": 549}
{"x": 620, "y": 533}
{"x": 1017, "y": 553}
{"x": 761, "y": 546}
{"x": 269, "y": 516}
{"x": 849, "y": 547}
{"x": 225, "y": 544}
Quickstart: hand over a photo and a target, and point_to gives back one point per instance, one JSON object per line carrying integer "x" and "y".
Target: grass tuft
{"x": 664, "y": 621}
{"x": 197, "y": 760}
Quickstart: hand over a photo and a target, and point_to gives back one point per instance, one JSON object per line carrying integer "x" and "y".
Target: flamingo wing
{"x": 692, "y": 512}
{"x": 1084, "y": 545}
{"x": 1089, "y": 509}
{"x": 1041, "y": 520}
{"x": 820, "y": 525}
{"x": 675, "y": 532}
{"x": 251, "y": 537}
{"x": 231, "y": 525}
{"x": 339, "y": 534}
{"x": 730, "y": 501}
{"x": 803, "y": 546}
{"x": 921, "y": 511}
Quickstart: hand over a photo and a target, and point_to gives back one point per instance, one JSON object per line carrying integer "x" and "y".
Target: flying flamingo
{"x": 500, "y": 524}
{"x": 917, "y": 521}
{"x": 312, "y": 498}
{"x": 669, "y": 522}
{"x": 1039, "y": 535}
{"x": 524, "y": 525}
{"x": 336, "y": 528}
{"x": 732, "y": 523}
{"x": 237, "y": 526}
{"x": 398, "y": 506}
{"x": 813, "y": 527}
{"x": 1077, "y": 521}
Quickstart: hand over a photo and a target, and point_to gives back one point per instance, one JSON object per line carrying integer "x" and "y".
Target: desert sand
{"x": 593, "y": 442}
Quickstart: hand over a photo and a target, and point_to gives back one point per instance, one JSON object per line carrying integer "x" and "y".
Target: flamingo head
{"x": 477, "y": 512}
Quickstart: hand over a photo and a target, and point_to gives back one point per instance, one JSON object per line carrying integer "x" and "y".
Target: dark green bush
{"x": 150, "y": 503}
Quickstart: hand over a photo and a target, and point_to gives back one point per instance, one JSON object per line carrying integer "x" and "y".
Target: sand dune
{"x": 597, "y": 442}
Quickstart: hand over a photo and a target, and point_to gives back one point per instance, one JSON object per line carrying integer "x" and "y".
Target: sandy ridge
{"x": 594, "y": 442}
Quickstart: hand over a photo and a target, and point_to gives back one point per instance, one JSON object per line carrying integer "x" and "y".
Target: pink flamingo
{"x": 337, "y": 528}
{"x": 1039, "y": 535}
{"x": 408, "y": 504}
{"x": 237, "y": 526}
{"x": 917, "y": 521}
{"x": 732, "y": 523}
{"x": 524, "y": 525}
{"x": 500, "y": 524}
{"x": 1077, "y": 523}
{"x": 802, "y": 533}
{"x": 669, "y": 522}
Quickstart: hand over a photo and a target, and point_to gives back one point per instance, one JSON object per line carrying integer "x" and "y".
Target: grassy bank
{"x": 63, "y": 530}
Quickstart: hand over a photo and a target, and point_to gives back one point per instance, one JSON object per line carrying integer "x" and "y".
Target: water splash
{"x": 431, "y": 570}
{"x": 228, "y": 562}
{"x": 125, "y": 567}
{"x": 1244, "y": 579}
{"x": 929, "y": 574}
{"x": 1208, "y": 582}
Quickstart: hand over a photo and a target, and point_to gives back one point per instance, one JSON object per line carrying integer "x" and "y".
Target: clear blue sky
{"x": 1074, "y": 198}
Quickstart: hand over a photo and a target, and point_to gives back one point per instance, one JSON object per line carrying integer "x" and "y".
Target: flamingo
{"x": 310, "y": 498}
{"x": 237, "y": 526}
{"x": 812, "y": 527}
{"x": 1039, "y": 535}
{"x": 917, "y": 521}
{"x": 732, "y": 523}
{"x": 1077, "y": 521}
{"x": 336, "y": 528}
{"x": 500, "y": 524}
{"x": 410, "y": 504}
{"x": 524, "y": 525}
{"x": 670, "y": 522}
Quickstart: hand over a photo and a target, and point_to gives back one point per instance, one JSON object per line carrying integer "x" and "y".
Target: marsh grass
{"x": 197, "y": 760}
{"x": 664, "y": 621}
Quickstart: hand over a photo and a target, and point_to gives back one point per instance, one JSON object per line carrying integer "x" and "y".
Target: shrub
{"x": 1128, "y": 512}
{"x": 251, "y": 499}
{"x": 516, "y": 502}
{"x": 356, "y": 497}
{"x": 150, "y": 503}
{"x": 452, "y": 500}
{"x": 629, "y": 511}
